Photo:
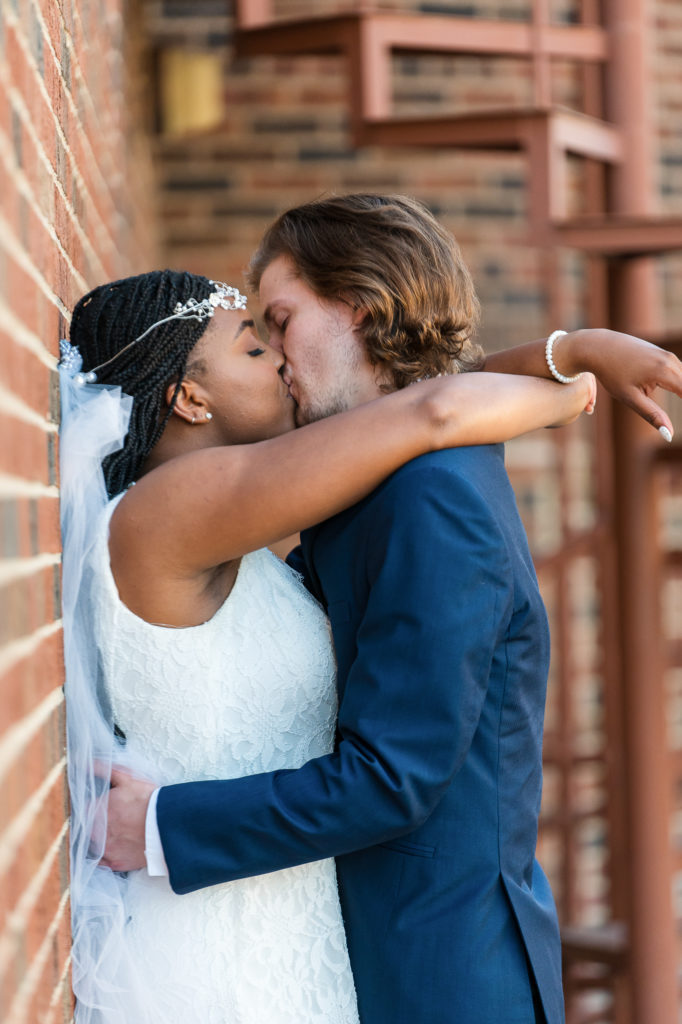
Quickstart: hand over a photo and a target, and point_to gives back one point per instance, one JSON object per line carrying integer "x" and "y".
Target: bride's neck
{"x": 175, "y": 442}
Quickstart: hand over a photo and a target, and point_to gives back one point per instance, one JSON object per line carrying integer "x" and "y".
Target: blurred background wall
{"x": 138, "y": 134}
{"x": 74, "y": 211}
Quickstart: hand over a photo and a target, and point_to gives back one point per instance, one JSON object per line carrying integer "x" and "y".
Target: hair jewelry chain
{"x": 224, "y": 296}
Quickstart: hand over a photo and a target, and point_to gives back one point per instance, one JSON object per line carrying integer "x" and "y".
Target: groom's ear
{"x": 359, "y": 317}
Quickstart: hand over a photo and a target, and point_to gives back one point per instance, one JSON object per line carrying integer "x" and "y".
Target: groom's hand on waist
{"x": 126, "y": 814}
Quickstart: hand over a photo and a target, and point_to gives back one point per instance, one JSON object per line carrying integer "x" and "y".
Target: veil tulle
{"x": 108, "y": 984}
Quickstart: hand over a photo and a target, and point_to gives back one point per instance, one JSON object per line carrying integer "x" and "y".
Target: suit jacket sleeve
{"x": 439, "y": 596}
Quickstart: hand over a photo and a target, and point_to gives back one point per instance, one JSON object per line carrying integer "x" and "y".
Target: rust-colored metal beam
{"x": 570, "y": 816}
{"x": 505, "y": 38}
{"x": 506, "y": 129}
{"x": 605, "y": 945}
{"x": 616, "y": 870}
{"x": 370, "y": 79}
{"x": 648, "y": 781}
{"x": 545, "y": 135}
{"x": 635, "y": 302}
{"x": 630, "y": 103}
{"x": 333, "y": 34}
{"x": 368, "y": 38}
{"x": 494, "y": 129}
{"x": 413, "y": 32}
{"x": 253, "y": 13}
{"x": 576, "y": 546}
{"x": 586, "y": 136}
{"x": 671, "y": 455}
{"x": 540, "y": 60}
{"x": 621, "y": 236}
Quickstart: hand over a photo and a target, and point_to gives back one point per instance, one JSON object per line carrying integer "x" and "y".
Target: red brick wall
{"x": 68, "y": 220}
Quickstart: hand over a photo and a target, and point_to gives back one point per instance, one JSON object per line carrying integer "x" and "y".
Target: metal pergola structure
{"x": 634, "y": 955}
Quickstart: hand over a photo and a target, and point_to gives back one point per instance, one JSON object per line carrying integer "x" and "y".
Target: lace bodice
{"x": 250, "y": 690}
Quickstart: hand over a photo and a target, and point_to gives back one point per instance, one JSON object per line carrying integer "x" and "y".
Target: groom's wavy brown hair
{"x": 386, "y": 255}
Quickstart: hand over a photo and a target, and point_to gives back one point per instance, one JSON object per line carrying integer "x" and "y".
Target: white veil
{"x": 107, "y": 983}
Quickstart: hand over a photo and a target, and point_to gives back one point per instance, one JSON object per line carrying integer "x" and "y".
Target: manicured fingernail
{"x": 665, "y": 434}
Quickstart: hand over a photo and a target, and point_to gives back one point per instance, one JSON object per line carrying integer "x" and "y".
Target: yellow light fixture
{"x": 190, "y": 90}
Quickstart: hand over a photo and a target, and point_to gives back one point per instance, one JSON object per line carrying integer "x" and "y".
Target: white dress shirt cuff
{"x": 156, "y": 862}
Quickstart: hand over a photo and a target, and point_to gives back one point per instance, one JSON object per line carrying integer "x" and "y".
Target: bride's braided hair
{"x": 105, "y": 321}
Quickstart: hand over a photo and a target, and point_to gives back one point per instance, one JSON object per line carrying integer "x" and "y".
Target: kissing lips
{"x": 286, "y": 377}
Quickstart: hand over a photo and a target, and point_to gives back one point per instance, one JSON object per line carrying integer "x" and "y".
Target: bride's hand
{"x": 126, "y": 817}
{"x": 630, "y": 368}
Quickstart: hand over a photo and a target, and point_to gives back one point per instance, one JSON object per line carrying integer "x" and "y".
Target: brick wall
{"x": 69, "y": 219}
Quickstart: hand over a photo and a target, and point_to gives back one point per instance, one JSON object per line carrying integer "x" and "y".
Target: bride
{"x": 192, "y": 652}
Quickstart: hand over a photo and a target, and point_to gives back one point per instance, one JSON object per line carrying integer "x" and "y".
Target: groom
{"x": 431, "y": 798}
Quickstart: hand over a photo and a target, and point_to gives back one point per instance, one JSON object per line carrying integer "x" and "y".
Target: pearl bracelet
{"x": 550, "y": 361}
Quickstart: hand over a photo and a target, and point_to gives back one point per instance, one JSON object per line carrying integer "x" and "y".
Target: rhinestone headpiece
{"x": 224, "y": 297}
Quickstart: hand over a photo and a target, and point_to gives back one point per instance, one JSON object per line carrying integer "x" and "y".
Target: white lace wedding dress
{"x": 251, "y": 690}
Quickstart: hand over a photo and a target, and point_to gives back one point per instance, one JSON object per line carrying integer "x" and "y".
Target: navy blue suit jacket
{"x": 430, "y": 800}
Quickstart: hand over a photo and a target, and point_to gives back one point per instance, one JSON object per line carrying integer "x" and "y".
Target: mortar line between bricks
{"x": 13, "y": 20}
{"x": 18, "y": 487}
{"x": 76, "y": 70}
{"x": 111, "y": 244}
{"x": 10, "y": 323}
{"x": 16, "y": 650}
{"x": 19, "y": 735}
{"x": 16, "y": 174}
{"x": 17, "y": 408}
{"x": 17, "y": 918}
{"x": 13, "y": 569}
{"x": 11, "y": 245}
{"x": 16, "y": 832}
{"x": 17, "y": 1010}
{"x": 17, "y": 100}
{"x": 56, "y": 994}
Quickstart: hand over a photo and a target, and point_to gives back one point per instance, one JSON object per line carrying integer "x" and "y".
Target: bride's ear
{"x": 189, "y": 403}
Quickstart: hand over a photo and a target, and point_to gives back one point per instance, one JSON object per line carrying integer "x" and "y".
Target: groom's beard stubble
{"x": 342, "y": 396}
{"x": 312, "y": 412}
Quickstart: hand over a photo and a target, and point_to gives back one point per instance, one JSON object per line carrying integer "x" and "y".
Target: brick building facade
{"x": 73, "y": 212}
